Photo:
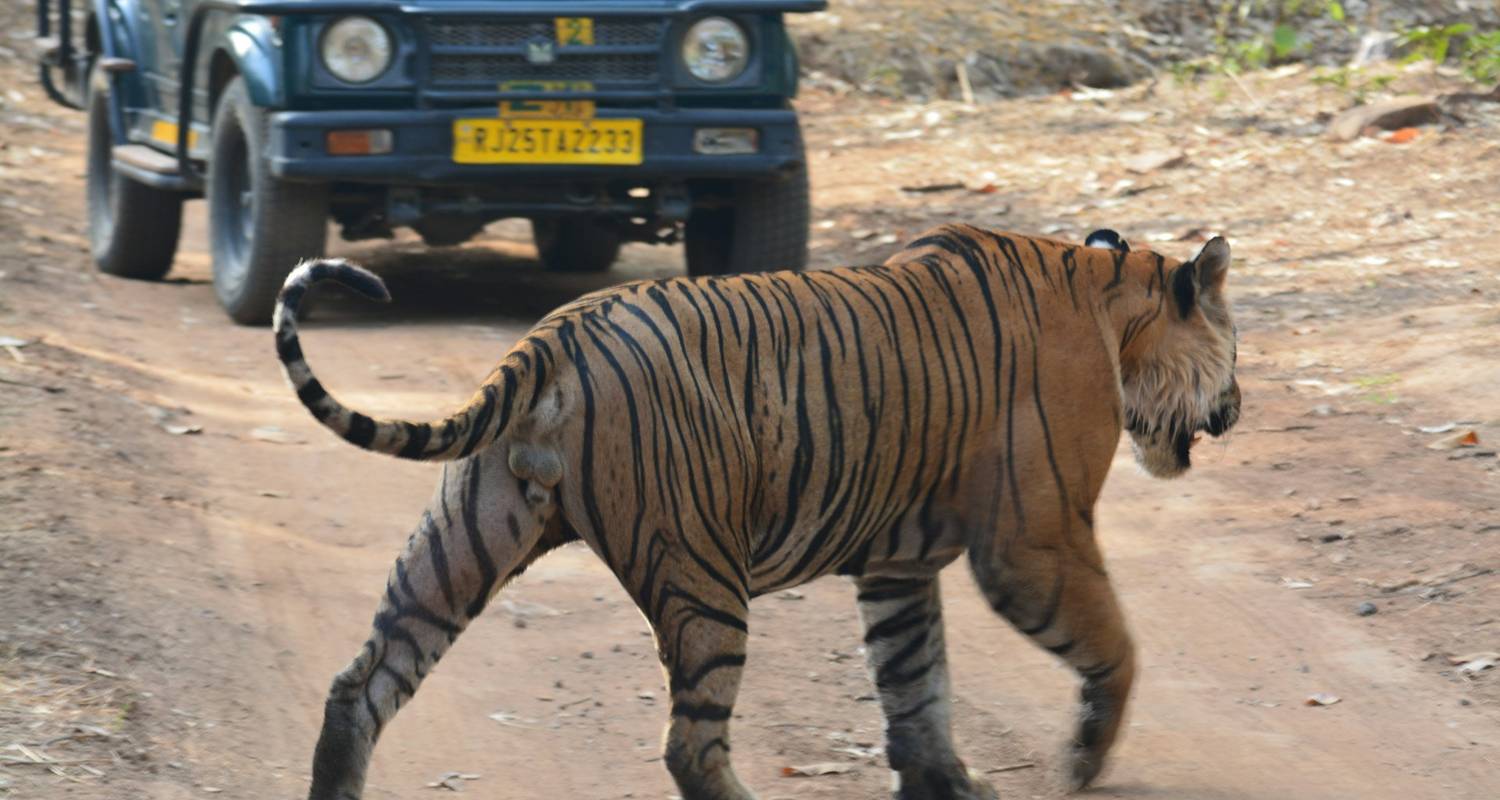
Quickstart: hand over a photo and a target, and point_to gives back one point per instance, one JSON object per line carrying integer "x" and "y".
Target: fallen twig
{"x": 1010, "y": 767}
{"x": 965, "y": 89}
{"x": 39, "y": 387}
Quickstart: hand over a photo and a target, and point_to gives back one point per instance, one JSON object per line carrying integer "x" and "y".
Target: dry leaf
{"x": 274, "y": 435}
{"x": 1467, "y": 437}
{"x": 1402, "y": 136}
{"x": 1456, "y": 660}
{"x": 1151, "y": 161}
{"x": 1475, "y": 663}
{"x": 182, "y": 430}
{"x": 451, "y": 780}
{"x": 1477, "y": 666}
{"x": 1322, "y": 699}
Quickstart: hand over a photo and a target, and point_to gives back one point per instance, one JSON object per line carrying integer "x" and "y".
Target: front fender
{"x": 253, "y": 45}
{"x": 120, "y": 36}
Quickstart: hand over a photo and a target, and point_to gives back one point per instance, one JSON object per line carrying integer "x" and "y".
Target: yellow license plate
{"x": 547, "y": 141}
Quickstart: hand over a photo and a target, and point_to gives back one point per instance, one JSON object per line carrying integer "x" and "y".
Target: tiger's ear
{"x": 1107, "y": 239}
{"x": 1203, "y": 277}
{"x": 1213, "y": 265}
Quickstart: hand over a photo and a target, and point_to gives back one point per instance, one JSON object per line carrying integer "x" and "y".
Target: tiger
{"x": 714, "y": 439}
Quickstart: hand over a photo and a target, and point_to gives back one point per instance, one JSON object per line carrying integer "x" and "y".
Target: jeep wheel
{"x": 763, "y": 228}
{"x": 259, "y": 226}
{"x": 575, "y": 244}
{"x": 132, "y": 227}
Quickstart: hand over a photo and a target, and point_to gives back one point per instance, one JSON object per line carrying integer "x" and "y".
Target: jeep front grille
{"x": 490, "y": 33}
{"x": 481, "y": 53}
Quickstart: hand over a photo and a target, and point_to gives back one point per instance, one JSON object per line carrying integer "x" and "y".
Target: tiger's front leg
{"x": 1061, "y": 597}
{"x": 483, "y": 528}
{"x": 909, "y": 663}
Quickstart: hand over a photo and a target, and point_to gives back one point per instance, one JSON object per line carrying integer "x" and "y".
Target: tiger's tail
{"x": 482, "y": 420}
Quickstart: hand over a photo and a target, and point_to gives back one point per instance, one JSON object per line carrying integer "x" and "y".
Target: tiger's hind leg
{"x": 483, "y": 528}
{"x": 701, "y": 637}
{"x": 907, "y": 656}
{"x": 1061, "y": 597}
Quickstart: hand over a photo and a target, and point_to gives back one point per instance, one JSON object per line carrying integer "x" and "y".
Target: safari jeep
{"x": 601, "y": 121}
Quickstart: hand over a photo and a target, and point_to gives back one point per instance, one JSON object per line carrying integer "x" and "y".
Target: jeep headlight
{"x": 715, "y": 50}
{"x": 356, "y": 49}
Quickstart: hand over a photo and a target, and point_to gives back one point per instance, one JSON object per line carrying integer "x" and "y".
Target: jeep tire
{"x": 575, "y": 244}
{"x": 133, "y": 227}
{"x": 762, "y": 228}
{"x": 259, "y": 226}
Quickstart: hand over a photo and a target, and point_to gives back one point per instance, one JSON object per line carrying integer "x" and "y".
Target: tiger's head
{"x": 1178, "y": 375}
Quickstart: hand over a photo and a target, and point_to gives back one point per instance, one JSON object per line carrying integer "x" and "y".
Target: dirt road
{"x": 174, "y": 605}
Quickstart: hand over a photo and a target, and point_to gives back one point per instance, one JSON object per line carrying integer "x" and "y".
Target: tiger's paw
{"x": 963, "y": 784}
{"x": 1081, "y": 766}
{"x": 980, "y": 789}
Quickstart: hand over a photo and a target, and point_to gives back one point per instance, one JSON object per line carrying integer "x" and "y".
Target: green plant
{"x": 1185, "y": 72}
{"x": 1432, "y": 43}
{"x": 1481, "y": 57}
{"x": 1284, "y": 42}
{"x": 1478, "y": 54}
{"x": 1358, "y": 84}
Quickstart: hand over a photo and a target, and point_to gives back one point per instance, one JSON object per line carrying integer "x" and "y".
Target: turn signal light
{"x": 726, "y": 141}
{"x": 360, "y": 142}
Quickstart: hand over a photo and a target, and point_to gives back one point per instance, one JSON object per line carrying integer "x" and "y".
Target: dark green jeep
{"x": 601, "y": 121}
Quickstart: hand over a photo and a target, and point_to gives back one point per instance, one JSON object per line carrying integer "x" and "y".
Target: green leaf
{"x": 1284, "y": 40}
{"x": 1336, "y": 10}
{"x": 1440, "y": 50}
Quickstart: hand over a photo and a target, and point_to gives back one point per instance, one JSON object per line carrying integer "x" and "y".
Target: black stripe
{"x": 311, "y": 392}
{"x": 481, "y": 422}
{"x": 361, "y": 430}
{"x": 701, "y": 712}
{"x": 909, "y": 617}
{"x": 439, "y": 559}
{"x": 288, "y": 349}
{"x": 469, "y": 511}
{"x": 682, "y": 683}
{"x": 417, "y": 437}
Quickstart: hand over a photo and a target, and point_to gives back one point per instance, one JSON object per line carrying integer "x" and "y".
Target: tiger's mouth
{"x": 1217, "y": 424}
{"x": 1168, "y": 453}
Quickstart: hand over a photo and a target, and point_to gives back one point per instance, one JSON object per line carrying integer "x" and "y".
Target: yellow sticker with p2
{"x": 575, "y": 31}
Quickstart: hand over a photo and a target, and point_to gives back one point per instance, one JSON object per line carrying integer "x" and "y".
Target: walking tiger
{"x": 715, "y": 439}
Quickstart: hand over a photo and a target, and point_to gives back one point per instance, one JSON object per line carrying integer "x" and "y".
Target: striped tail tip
{"x": 335, "y": 270}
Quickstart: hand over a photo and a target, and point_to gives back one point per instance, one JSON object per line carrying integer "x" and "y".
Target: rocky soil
{"x": 1005, "y": 48}
{"x": 185, "y": 558}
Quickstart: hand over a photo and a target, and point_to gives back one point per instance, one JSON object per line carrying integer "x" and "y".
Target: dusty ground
{"x": 173, "y": 606}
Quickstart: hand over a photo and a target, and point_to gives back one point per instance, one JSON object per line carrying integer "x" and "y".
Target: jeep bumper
{"x": 422, "y": 149}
